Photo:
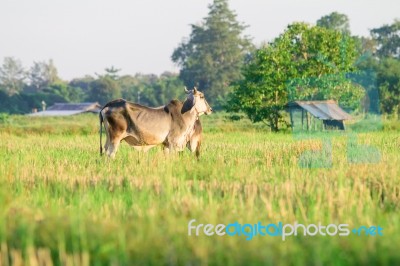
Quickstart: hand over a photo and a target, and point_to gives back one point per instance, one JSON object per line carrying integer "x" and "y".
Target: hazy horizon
{"x": 139, "y": 36}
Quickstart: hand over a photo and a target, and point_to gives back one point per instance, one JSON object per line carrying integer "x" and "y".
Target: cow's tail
{"x": 101, "y": 131}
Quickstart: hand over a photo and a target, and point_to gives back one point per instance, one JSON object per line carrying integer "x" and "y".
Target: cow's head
{"x": 196, "y": 101}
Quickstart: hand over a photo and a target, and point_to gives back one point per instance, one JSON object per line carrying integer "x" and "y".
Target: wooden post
{"x": 291, "y": 118}
{"x": 315, "y": 123}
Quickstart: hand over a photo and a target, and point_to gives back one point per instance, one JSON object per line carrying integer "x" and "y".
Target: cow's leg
{"x": 191, "y": 145}
{"x": 107, "y": 145}
{"x": 166, "y": 150}
{"x": 108, "y": 148}
{"x": 194, "y": 146}
{"x": 197, "y": 149}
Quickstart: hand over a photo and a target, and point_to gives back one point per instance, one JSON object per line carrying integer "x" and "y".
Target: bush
{"x": 4, "y": 118}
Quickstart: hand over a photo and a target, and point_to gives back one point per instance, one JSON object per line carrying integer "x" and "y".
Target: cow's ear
{"x": 188, "y": 104}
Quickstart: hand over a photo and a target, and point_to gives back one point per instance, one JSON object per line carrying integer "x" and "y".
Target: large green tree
{"x": 303, "y": 63}
{"x": 213, "y": 55}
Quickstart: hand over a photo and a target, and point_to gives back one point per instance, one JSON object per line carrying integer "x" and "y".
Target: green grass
{"x": 61, "y": 203}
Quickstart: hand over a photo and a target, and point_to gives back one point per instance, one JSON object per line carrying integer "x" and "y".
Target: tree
{"x": 151, "y": 90}
{"x": 140, "y": 88}
{"x": 104, "y": 90}
{"x": 388, "y": 39}
{"x": 388, "y": 79}
{"x": 129, "y": 87}
{"x": 335, "y": 21}
{"x": 69, "y": 93}
{"x": 106, "y": 87}
{"x": 42, "y": 75}
{"x": 12, "y": 76}
{"x": 52, "y": 73}
{"x": 165, "y": 88}
{"x": 212, "y": 57}
{"x": 365, "y": 45}
{"x": 383, "y": 64}
{"x": 12, "y": 104}
{"x": 112, "y": 72}
{"x": 385, "y": 74}
{"x": 82, "y": 83}
{"x": 303, "y": 63}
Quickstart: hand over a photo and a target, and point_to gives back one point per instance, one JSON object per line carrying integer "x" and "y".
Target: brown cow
{"x": 144, "y": 127}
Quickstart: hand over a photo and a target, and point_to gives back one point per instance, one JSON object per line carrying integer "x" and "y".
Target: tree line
{"x": 23, "y": 90}
{"x": 306, "y": 61}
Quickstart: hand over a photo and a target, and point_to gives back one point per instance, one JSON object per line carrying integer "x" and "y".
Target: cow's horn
{"x": 194, "y": 90}
{"x": 186, "y": 90}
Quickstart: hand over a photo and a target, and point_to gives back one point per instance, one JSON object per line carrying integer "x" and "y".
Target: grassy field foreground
{"x": 61, "y": 204}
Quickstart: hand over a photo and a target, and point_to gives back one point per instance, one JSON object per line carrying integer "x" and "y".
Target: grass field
{"x": 61, "y": 204}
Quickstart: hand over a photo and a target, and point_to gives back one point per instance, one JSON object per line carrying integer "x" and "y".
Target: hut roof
{"x": 324, "y": 110}
{"x": 64, "y": 109}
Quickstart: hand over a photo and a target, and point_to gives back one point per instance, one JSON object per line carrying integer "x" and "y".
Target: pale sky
{"x": 86, "y": 36}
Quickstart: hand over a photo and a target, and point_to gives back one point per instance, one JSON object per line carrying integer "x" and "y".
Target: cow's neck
{"x": 189, "y": 118}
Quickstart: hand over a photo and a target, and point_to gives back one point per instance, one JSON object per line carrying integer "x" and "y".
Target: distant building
{"x": 65, "y": 109}
{"x": 303, "y": 115}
